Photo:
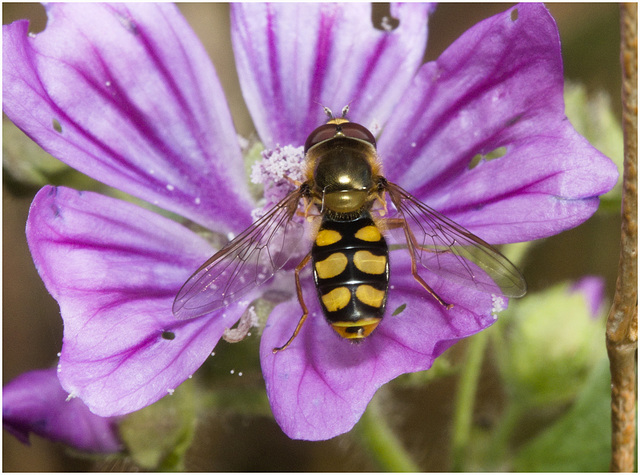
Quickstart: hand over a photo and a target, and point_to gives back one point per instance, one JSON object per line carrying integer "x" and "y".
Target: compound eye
{"x": 322, "y": 133}
{"x": 357, "y": 131}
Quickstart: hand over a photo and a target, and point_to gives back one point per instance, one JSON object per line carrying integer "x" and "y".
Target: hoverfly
{"x": 349, "y": 255}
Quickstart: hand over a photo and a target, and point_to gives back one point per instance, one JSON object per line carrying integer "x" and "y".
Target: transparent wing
{"x": 449, "y": 250}
{"x": 247, "y": 261}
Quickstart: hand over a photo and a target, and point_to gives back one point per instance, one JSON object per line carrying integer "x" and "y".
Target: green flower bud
{"x": 550, "y": 340}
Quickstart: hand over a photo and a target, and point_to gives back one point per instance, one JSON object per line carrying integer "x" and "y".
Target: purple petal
{"x": 115, "y": 269}
{"x": 35, "y": 402}
{"x": 292, "y": 58}
{"x": 320, "y": 385}
{"x": 126, "y": 94}
{"x": 499, "y": 85}
{"x": 593, "y": 289}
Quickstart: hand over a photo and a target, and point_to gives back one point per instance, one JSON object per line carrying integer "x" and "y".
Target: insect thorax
{"x": 342, "y": 171}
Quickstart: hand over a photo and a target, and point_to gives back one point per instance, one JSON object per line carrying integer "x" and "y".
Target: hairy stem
{"x": 386, "y": 451}
{"x": 622, "y": 323}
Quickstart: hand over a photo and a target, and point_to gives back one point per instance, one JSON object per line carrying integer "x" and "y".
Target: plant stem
{"x": 622, "y": 323}
{"x": 381, "y": 442}
{"x": 465, "y": 399}
{"x": 497, "y": 453}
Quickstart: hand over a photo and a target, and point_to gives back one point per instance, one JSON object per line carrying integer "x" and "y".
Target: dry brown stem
{"x": 622, "y": 324}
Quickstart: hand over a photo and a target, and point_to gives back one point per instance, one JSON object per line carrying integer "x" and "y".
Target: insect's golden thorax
{"x": 342, "y": 174}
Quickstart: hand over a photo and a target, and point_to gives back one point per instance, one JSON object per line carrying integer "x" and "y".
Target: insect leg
{"x": 412, "y": 244}
{"x": 305, "y": 311}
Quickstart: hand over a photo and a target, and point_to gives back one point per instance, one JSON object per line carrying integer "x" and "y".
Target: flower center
{"x": 280, "y": 171}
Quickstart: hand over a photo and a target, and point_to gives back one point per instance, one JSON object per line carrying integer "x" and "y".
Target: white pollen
{"x": 386, "y": 24}
{"x": 213, "y": 353}
{"x": 243, "y": 142}
{"x": 197, "y": 201}
{"x": 170, "y": 187}
{"x": 108, "y": 83}
{"x": 232, "y": 371}
{"x": 58, "y": 354}
{"x": 414, "y": 145}
{"x": 499, "y": 305}
{"x": 170, "y": 391}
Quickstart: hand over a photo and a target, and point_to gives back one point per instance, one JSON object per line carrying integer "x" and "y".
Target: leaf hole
{"x": 382, "y": 19}
{"x": 399, "y": 310}
{"x": 492, "y": 155}
{"x": 514, "y": 14}
{"x": 129, "y": 25}
{"x": 56, "y": 126}
{"x": 514, "y": 120}
{"x": 166, "y": 335}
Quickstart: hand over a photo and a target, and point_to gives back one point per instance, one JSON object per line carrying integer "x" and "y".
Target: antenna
{"x": 329, "y": 112}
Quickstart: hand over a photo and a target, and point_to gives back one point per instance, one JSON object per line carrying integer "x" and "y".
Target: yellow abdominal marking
{"x": 327, "y": 237}
{"x": 365, "y": 326}
{"x": 336, "y": 299}
{"x": 370, "y": 263}
{"x": 369, "y": 234}
{"x": 332, "y": 266}
{"x": 370, "y": 295}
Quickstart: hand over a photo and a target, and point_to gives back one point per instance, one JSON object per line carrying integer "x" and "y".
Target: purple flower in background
{"x": 126, "y": 94}
{"x": 35, "y": 402}
{"x": 593, "y": 289}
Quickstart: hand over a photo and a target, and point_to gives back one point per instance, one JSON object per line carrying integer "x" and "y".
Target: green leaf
{"x": 580, "y": 441}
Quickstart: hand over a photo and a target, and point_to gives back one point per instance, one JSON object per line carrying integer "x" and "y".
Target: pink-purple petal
{"x": 35, "y": 402}
{"x": 593, "y": 289}
{"x": 320, "y": 385}
{"x": 499, "y": 87}
{"x": 126, "y": 94}
{"x": 115, "y": 269}
{"x": 293, "y": 58}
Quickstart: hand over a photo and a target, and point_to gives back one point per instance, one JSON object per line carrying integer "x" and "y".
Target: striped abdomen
{"x": 351, "y": 271}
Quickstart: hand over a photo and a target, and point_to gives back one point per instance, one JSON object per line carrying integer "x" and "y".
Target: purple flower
{"x": 126, "y": 94}
{"x": 35, "y": 402}
{"x": 593, "y": 289}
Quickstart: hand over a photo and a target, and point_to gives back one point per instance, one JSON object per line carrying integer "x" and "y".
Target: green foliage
{"x": 548, "y": 344}
{"x": 158, "y": 436}
{"x": 24, "y": 162}
{"x": 580, "y": 441}
{"x": 27, "y": 167}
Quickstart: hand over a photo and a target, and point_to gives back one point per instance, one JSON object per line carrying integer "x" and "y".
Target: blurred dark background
{"x": 32, "y": 328}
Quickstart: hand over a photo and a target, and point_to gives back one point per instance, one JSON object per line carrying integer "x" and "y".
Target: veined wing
{"x": 449, "y": 250}
{"x": 249, "y": 260}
